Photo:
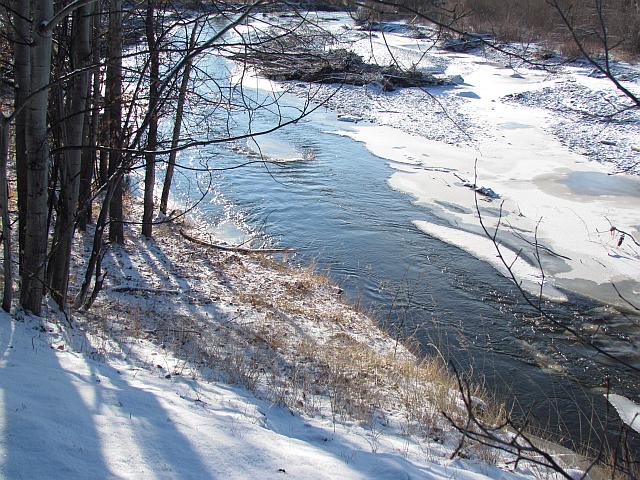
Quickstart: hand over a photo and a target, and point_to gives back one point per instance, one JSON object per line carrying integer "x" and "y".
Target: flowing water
{"x": 332, "y": 202}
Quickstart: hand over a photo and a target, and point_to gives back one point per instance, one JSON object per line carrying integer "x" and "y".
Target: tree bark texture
{"x": 90, "y": 155}
{"x": 22, "y": 72}
{"x": 35, "y": 248}
{"x": 7, "y": 294}
{"x": 113, "y": 107}
{"x": 152, "y": 135}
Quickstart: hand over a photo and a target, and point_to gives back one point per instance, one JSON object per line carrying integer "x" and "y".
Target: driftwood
{"x": 332, "y": 66}
{"x": 231, "y": 248}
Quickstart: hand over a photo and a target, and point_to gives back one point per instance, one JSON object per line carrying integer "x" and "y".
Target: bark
{"x": 152, "y": 135}
{"x": 70, "y": 167}
{"x": 90, "y": 133}
{"x": 113, "y": 102}
{"x": 7, "y": 295}
{"x": 22, "y": 72}
{"x": 86, "y": 167}
{"x": 92, "y": 124}
{"x": 103, "y": 160}
{"x": 177, "y": 126}
{"x": 56, "y": 115}
{"x": 35, "y": 242}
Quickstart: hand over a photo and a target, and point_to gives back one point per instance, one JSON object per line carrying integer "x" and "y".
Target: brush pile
{"x": 304, "y": 59}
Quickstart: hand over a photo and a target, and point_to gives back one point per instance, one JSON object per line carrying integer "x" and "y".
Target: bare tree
{"x": 7, "y": 295}
{"x": 22, "y": 74}
{"x": 36, "y": 238}
{"x": 177, "y": 126}
{"x": 75, "y": 112}
{"x": 152, "y": 135}
{"x": 113, "y": 113}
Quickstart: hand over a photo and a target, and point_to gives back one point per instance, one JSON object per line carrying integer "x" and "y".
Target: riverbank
{"x": 199, "y": 362}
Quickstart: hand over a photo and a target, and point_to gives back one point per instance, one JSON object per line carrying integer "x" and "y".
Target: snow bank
{"x": 65, "y": 415}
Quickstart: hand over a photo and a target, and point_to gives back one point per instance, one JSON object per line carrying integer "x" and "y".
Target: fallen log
{"x": 231, "y": 248}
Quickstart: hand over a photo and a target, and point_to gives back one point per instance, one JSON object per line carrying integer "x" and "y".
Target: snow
{"x": 628, "y": 410}
{"x": 66, "y": 415}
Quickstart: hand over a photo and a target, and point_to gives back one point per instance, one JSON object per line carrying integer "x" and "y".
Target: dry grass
{"x": 281, "y": 332}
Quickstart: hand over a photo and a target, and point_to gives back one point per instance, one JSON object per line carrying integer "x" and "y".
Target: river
{"x": 331, "y": 199}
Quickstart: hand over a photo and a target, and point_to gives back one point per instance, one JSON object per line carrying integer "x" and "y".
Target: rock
{"x": 456, "y": 80}
{"x": 635, "y": 148}
{"x": 607, "y": 142}
{"x": 464, "y": 43}
{"x": 487, "y": 192}
{"x": 350, "y": 118}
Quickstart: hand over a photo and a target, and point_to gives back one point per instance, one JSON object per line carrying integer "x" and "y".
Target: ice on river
{"x": 534, "y": 138}
{"x": 558, "y": 210}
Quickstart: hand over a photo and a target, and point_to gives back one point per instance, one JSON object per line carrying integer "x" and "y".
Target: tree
{"x": 37, "y": 144}
{"x": 69, "y": 171}
{"x": 177, "y": 126}
{"x": 113, "y": 113}
{"x": 152, "y": 135}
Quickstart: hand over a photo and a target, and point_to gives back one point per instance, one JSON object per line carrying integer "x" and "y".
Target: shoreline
{"x": 235, "y": 336}
{"x": 552, "y": 190}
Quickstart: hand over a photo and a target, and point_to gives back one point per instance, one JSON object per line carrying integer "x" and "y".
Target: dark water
{"x": 336, "y": 207}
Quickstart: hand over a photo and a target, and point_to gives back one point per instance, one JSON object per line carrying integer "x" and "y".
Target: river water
{"x": 331, "y": 200}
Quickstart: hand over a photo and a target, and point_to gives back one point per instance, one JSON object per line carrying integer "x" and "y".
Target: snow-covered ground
{"x": 546, "y": 143}
{"x": 191, "y": 364}
{"x": 65, "y": 415}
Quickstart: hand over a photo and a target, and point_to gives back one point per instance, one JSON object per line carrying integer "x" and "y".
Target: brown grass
{"x": 289, "y": 339}
{"x": 536, "y": 20}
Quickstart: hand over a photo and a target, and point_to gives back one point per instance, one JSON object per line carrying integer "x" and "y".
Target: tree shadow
{"x": 88, "y": 419}
{"x": 37, "y": 416}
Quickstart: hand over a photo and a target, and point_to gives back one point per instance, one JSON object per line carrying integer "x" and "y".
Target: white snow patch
{"x": 628, "y": 410}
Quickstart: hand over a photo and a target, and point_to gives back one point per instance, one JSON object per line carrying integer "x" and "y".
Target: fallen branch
{"x": 231, "y": 248}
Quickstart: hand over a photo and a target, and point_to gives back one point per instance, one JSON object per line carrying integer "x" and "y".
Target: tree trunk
{"x": 113, "y": 100}
{"x": 22, "y": 72}
{"x": 87, "y": 163}
{"x": 35, "y": 248}
{"x": 152, "y": 135}
{"x": 103, "y": 138}
{"x": 90, "y": 155}
{"x": 7, "y": 295}
{"x": 177, "y": 126}
{"x": 96, "y": 250}
{"x": 70, "y": 167}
